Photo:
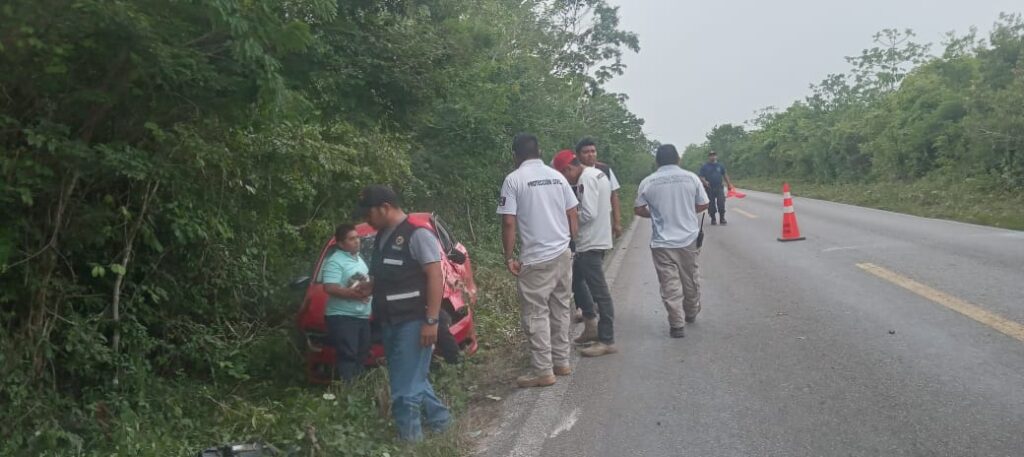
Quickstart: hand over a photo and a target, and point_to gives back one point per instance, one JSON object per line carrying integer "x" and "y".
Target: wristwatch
{"x": 431, "y": 321}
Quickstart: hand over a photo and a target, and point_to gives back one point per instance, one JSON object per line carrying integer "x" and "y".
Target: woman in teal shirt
{"x": 347, "y": 315}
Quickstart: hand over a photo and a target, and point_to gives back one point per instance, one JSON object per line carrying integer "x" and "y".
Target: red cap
{"x": 563, "y": 159}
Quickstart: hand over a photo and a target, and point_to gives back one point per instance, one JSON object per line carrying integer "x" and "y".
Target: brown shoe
{"x": 577, "y": 315}
{"x": 598, "y": 350}
{"x": 532, "y": 380}
{"x": 589, "y": 332}
{"x": 563, "y": 371}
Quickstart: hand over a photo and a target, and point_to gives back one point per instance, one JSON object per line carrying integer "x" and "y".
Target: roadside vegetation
{"x": 169, "y": 166}
{"x": 943, "y": 198}
{"x": 930, "y": 130}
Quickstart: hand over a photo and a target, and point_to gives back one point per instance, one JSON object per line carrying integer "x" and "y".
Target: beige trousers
{"x": 545, "y": 290}
{"x": 680, "y": 282}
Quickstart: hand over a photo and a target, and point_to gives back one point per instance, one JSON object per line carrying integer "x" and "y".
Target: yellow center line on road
{"x": 752, "y": 216}
{"x": 1010, "y": 328}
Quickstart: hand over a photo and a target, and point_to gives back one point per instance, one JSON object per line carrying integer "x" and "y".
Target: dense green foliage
{"x": 900, "y": 114}
{"x": 169, "y": 165}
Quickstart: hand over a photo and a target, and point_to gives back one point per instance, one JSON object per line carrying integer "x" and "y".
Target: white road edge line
{"x": 566, "y": 423}
{"x": 841, "y": 248}
{"x": 749, "y": 215}
{"x": 544, "y": 413}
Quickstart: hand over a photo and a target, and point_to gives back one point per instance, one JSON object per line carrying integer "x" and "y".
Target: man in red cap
{"x": 593, "y": 191}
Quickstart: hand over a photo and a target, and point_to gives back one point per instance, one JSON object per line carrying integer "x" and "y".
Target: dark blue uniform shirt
{"x": 713, "y": 172}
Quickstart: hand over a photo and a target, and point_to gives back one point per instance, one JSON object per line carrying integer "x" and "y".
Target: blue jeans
{"x": 411, "y": 392}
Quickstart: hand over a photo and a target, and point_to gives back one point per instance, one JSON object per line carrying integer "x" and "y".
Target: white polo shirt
{"x": 671, "y": 193}
{"x": 611, "y": 177}
{"x": 613, "y": 180}
{"x": 595, "y": 211}
{"x": 538, "y": 196}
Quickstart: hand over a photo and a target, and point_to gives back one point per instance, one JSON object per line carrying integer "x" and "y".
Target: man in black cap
{"x": 712, "y": 174}
{"x": 408, "y": 285}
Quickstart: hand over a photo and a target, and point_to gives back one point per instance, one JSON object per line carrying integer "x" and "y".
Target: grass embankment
{"x": 970, "y": 200}
{"x": 278, "y": 407}
{"x": 627, "y": 196}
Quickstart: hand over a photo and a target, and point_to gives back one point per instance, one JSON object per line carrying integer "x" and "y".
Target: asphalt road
{"x": 880, "y": 335}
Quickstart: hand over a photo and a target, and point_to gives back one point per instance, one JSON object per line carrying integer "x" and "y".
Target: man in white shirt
{"x": 595, "y": 239}
{"x": 671, "y": 197}
{"x": 586, "y": 151}
{"x": 538, "y": 202}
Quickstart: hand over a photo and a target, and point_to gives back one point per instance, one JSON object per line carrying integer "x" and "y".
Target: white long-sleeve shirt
{"x": 595, "y": 210}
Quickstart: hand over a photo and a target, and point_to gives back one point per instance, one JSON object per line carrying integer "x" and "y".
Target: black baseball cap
{"x": 372, "y": 196}
{"x": 712, "y": 153}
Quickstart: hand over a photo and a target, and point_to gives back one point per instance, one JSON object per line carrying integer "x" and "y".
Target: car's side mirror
{"x": 457, "y": 256}
{"x": 299, "y": 283}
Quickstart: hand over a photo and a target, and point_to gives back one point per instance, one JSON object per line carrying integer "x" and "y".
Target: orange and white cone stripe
{"x": 790, "y": 229}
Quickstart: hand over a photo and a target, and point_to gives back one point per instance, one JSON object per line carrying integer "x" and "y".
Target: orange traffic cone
{"x": 790, "y": 230}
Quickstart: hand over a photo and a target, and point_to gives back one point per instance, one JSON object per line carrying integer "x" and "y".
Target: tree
{"x": 899, "y": 114}
{"x": 168, "y": 165}
{"x": 588, "y": 42}
{"x": 880, "y": 69}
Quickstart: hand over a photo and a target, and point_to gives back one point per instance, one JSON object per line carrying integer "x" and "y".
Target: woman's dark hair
{"x": 341, "y": 231}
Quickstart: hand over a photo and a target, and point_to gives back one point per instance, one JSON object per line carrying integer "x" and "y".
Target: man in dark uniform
{"x": 408, "y": 285}
{"x": 712, "y": 174}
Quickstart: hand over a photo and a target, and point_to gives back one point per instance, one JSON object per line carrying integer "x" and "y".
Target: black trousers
{"x": 589, "y": 288}
{"x": 717, "y": 196}
{"x": 350, "y": 337}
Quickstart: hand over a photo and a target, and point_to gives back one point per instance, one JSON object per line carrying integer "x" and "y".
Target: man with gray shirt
{"x": 671, "y": 197}
{"x": 538, "y": 202}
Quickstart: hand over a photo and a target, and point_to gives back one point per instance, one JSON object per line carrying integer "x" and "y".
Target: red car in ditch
{"x": 455, "y": 334}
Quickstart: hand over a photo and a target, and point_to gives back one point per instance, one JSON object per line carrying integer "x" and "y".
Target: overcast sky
{"x": 703, "y": 63}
